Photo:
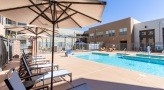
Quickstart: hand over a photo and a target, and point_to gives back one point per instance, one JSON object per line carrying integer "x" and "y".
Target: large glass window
{"x": 110, "y": 33}
{"x": 150, "y": 32}
{"x": 8, "y": 21}
{"x": 123, "y": 31}
{"x": 99, "y": 34}
{"x": 91, "y": 35}
{"x": 22, "y": 24}
{"x": 143, "y": 33}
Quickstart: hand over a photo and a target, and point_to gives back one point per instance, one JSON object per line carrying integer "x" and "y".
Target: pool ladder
{"x": 124, "y": 51}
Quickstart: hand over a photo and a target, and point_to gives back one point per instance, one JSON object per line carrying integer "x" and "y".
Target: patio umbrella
{"x": 32, "y": 31}
{"x": 32, "y": 36}
{"x": 54, "y": 13}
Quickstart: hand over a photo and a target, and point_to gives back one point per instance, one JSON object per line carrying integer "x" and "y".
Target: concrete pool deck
{"x": 98, "y": 76}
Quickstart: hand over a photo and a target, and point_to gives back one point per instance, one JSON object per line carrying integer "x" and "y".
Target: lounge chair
{"x": 35, "y": 59}
{"x": 46, "y": 75}
{"x": 83, "y": 86}
{"x": 40, "y": 66}
{"x": 14, "y": 82}
{"x": 102, "y": 49}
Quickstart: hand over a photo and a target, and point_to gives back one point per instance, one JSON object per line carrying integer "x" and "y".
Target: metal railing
{"x": 121, "y": 47}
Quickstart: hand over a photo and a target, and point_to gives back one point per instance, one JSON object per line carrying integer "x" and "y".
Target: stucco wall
{"x": 2, "y": 30}
{"x": 157, "y": 25}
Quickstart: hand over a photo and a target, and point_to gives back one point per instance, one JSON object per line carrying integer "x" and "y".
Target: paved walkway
{"x": 97, "y": 75}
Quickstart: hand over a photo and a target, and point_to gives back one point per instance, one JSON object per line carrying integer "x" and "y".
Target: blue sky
{"x": 141, "y": 10}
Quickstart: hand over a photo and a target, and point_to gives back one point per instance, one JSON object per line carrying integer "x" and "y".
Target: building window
{"x": 101, "y": 43}
{"x": 150, "y": 33}
{"x": 110, "y": 33}
{"x": 123, "y": 31}
{"x": 99, "y": 34}
{"x": 91, "y": 35}
{"x": 10, "y": 22}
{"x": 143, "y": 33}
{"x": 91, "y": 42}
{"x": 22, "y": 24}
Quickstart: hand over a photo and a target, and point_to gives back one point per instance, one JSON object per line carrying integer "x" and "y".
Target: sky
{"x": 141, "y": 10}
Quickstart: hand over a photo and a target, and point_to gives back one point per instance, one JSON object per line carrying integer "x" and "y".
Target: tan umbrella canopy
{"x": 32, "y": 36}
{"x": 32, "y": 31}
{"x": 79, "y": 13}
{"x": 54, "y": 14}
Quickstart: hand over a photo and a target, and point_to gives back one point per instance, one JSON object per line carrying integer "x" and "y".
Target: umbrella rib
{"x": 71, "y": 18}
{"x": 57, "y": 23}
{"x": 95, "y": 3}
{"x": 66, "y": 17}
{"x": 29, "y": 29}
{"x": 51, "y": 12}
{"x": 82, "y": 13}
{"x": 63, "y": 12}
{"x": 43, "y": 30}
{"x": 56, "y": 16}
{"x": 22, "y": 7}
{"x": 40, "y": 10}
{"x": 46, "y": 31}
{"x": 40, "y": 14}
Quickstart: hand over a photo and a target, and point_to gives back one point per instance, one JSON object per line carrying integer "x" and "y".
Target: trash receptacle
{"x": 68, "y": 51}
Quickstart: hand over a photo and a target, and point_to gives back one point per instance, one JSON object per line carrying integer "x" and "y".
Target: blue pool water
{"x": 153, "y": 67}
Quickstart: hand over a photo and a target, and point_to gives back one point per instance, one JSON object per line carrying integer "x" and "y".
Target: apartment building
{"x": 118, "y": 34}
{"x": 150, "y": 33}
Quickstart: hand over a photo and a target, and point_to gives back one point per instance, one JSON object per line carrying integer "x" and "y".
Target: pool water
{"x": 138, "y": 64}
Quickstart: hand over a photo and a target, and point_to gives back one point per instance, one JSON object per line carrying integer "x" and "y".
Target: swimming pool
{"x": 154, "y": 67}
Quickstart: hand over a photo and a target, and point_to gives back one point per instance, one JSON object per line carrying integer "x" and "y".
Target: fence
{"x": 157, "y": 47}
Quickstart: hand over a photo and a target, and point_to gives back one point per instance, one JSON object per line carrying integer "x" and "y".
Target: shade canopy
{"x": 67, "y": 13}
{"x": 31, "y": 30}
{"x": 32, "y": 36}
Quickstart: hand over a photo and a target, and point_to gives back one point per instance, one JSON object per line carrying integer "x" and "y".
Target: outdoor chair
{"x": 110, "y": 50}
{"x": 102, "y": 49}
{"x": 47, "y": 75}
{"x": 83, "y": 86}
{"x": 36, "y": 66}
{"x": 13, "y": 82}
{"x": 39, "y": 66}
{"x": 35, "y": 60}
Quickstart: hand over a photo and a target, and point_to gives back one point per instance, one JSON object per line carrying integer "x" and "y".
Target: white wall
{"x": 157, "y": 25}
{"x": 2, "y": 23}
{"x": 2, "y": 30}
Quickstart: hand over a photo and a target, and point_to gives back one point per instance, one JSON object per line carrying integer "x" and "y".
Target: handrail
{"x": 124, "y": 50}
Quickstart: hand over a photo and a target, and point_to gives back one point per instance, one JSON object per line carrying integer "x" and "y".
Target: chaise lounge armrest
{"x": 22, "y": 78}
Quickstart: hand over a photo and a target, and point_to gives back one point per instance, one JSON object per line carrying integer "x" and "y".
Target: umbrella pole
{"x": 52, "y": 56}
{"x": 36, "y": 45}
{"x": 36, "y": 40}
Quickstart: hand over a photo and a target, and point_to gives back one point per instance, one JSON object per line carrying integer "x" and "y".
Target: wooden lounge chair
{"x": 102, "y": 49}
{"x": 110, "y": 49}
